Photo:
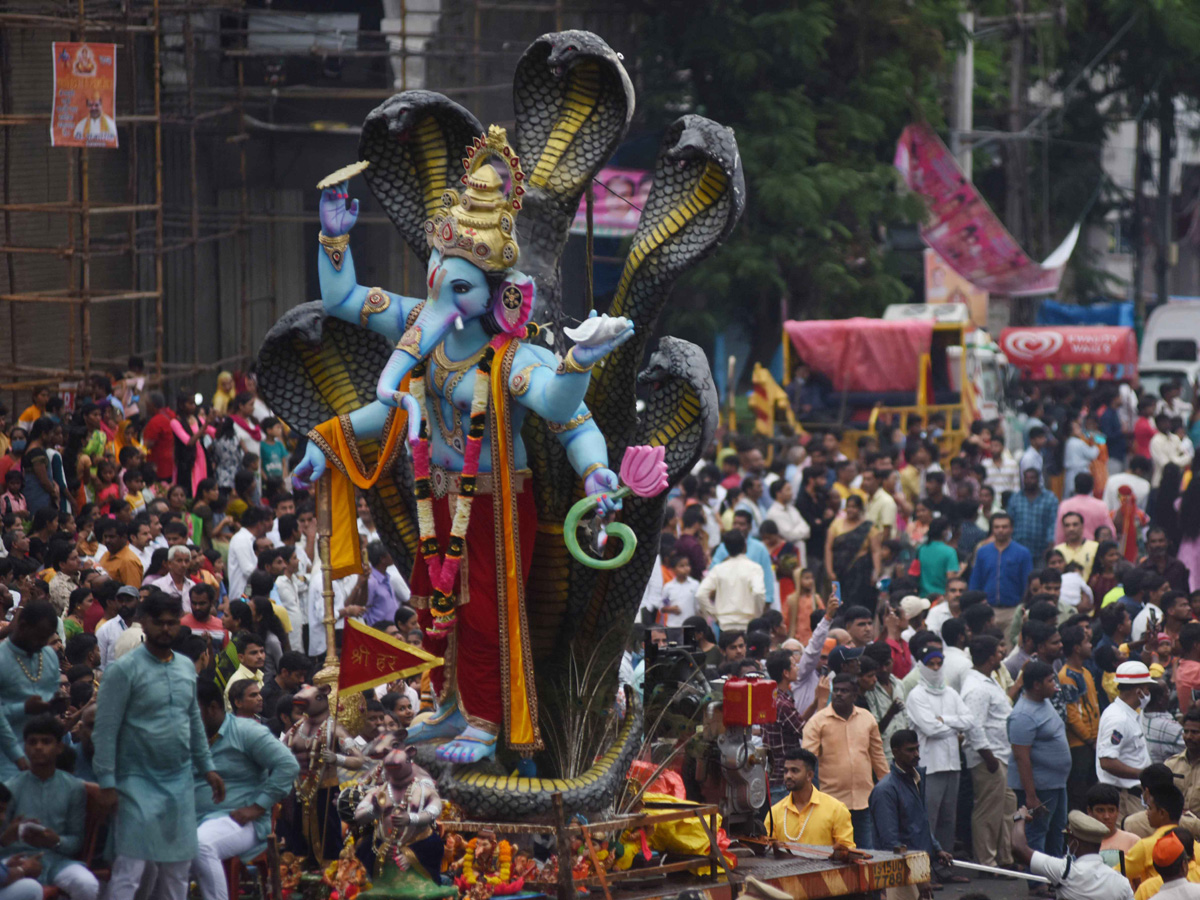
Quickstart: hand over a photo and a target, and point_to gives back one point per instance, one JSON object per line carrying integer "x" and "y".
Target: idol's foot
{"x": 471, "y": 746}
{"x": 442, "y": 725}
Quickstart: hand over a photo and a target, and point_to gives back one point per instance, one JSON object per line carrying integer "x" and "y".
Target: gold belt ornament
{"x": 446, "y": 483}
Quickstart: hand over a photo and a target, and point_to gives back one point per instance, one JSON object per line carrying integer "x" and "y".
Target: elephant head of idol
{"x": 472, "y": 272}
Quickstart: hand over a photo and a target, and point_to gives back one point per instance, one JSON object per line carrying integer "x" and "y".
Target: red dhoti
{"x": 478, "y": 666}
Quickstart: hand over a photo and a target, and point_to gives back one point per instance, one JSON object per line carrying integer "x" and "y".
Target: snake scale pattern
{"x": 573, "y": 102}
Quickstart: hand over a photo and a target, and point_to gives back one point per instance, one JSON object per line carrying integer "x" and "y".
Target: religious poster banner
{"x": 85, "y": 95}
{"x": 619, "y": 198}
{"x": 371, "y": 658}
{"x": 944, "y": 285}
{"x": 962, "y": 228}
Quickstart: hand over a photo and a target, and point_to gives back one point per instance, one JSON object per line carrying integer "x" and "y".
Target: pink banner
{"x": 620, "y": 196}
{"x": 962, "y": 228}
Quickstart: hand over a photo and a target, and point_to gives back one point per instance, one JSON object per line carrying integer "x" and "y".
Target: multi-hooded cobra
{"x": 573, "y": 102}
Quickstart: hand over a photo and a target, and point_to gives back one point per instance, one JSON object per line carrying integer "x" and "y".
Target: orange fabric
{"x": 346, "y": 555}
{"x": 371, "y": 657}
{"x": 520, "y": 726}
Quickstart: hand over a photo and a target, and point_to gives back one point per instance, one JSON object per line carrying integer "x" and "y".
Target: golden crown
{"x": 480, "y": 224}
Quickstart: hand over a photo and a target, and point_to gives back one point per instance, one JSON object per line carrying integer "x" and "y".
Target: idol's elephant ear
{"x": 573, "y": 101}
{"x": 415, "y": 143}
{"x": 312, "y": 367}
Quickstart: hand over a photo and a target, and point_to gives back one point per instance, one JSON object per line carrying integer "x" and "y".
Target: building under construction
{"x": 184, "y": 243}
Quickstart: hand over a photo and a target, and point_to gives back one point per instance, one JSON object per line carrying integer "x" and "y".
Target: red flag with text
{"x": 371, "y": 658}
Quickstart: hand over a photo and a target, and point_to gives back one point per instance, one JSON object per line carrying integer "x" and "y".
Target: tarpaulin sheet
{"x": 1105, "y": 352}
{"x": 963, "y": 229}
{"x": 1051, "y": 312}
{"x": 863, "y": 354}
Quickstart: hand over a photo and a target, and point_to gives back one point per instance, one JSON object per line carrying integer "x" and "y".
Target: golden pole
{"x": 324, "y": 537}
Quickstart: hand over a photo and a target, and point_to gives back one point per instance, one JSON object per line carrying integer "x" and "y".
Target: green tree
{"x": 817, "y": 92}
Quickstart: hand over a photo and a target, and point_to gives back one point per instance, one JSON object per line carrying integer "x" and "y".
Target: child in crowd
{"x": 47, "y": 812}
{"x": 678, "y": 594}
{"x": 274, "y": 451}
{"x": 137, "y": 495}
{"x": 12, "y": 501}
{"x": 105, "y": 489}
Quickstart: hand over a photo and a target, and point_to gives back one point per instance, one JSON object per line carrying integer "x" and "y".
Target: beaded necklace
{"x": 443, "y": 568}
{"x": 34, "y": 678}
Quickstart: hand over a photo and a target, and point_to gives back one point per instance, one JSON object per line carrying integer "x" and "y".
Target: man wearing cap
{"x": 1175, "y": 859}
{"x": 838, "y": 735}
{"x": 1121, "y": 751}
{"x": 107, "y": 634}
{"x": 1083, "y": 875}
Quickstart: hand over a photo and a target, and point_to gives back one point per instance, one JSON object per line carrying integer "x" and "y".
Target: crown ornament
{"x": 480, "y": 223}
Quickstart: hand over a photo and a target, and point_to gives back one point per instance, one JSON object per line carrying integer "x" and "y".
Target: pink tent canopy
{"x": 862, "y": 354}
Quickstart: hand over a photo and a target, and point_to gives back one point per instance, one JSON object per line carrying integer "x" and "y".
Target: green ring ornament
{"x": 617, "y": 530}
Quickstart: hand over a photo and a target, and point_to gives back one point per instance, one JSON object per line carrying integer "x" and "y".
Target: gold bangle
{"x": 570, "y": 365}
{"x": 340, "y": 242}
{"x": 570, "y": 424}
{"x": 590, "y": 469}
{"x": 335, "y": 248}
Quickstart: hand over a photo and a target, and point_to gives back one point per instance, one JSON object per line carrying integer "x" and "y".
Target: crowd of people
{"x": 158, "y": 577}
{"x": 959, "y": 633}
{"x": 955, "y": 636}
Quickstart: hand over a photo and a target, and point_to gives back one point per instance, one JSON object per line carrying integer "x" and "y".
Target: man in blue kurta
{"x": 28, "y": 679}
{"x": 53, "y": 805}
{"x": 149, "y": 739}
{"x": 258, "y": 771}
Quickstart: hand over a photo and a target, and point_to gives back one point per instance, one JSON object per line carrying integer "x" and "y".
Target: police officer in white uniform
{"x": 1121, "y": 751}
{"x": 1083, "y": 875}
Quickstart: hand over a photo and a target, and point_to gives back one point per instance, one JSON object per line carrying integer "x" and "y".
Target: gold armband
{"x": 335, "y": 248}
{"x": 377, "y": 301}
{"x": 571, "y": 366}
{"x": 570, "y": 425}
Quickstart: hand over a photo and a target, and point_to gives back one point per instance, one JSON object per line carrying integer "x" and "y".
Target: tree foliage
{"x": 817, "y": 92}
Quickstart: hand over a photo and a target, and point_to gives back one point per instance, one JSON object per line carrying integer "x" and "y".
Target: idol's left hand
{"x": 600, "y": 486}
{"x": 598, "y": 336}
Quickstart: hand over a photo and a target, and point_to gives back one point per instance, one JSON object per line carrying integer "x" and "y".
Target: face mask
{"x": 933, "y": 679}
{"x": 18, "y": 446}
{"x": 1143, "y": 701}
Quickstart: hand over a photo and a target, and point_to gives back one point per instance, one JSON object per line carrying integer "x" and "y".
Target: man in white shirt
{"x": 958, "y": 662}
{"x": 256, "y": 522}
{"x": 938, "y": 715}
{"x": 140, "y": 541}
{"x": 107, "y": 634}
{"x": 1002, "y": 471}
{"x": 988, "y": 705}
{"x": 783, "y": 513}
{"x": 1121, "y": 751}
{"x": 349, "y": 601}
{"x": 176, "y": 582}
{"x": 1137, "y": 478}
{"x": 733, "y": 592}
{"x": 1167, "y": 447}
{"x": 1084, "y": 875}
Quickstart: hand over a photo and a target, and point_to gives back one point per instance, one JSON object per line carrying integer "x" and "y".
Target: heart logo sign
{"x": 1032, "y": 344}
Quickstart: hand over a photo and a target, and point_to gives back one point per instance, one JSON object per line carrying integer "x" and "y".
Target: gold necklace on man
{"x": 34, "y": 678}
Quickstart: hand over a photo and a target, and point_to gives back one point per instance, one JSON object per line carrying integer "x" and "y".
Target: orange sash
{"x": 337, "y": 441}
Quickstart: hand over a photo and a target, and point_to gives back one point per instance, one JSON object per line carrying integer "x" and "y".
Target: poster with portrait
{"x": 85, "y": 95}
{"x": 620, "y": 196}
{"x": 944, "y": 285}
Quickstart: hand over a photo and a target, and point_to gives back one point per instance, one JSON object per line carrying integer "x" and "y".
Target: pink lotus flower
{"x": 644, "y": 471}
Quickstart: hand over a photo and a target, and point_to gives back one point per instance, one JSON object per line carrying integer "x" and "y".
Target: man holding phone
{"x": 809, "y": 670}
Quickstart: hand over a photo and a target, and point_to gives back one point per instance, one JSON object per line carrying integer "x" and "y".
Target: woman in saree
{"x": 853, "y": 555}
{"x": 189, "y": 428}
{"x": 800, "y": 604}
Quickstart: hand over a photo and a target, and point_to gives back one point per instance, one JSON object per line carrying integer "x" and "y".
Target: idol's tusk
{"x": 458, "y": 323}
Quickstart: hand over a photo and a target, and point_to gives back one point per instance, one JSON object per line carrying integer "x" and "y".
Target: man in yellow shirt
{"x": 805, "y": 815}
{"x": 1174, "y": 856}
{"x": 1164, "y": 808}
